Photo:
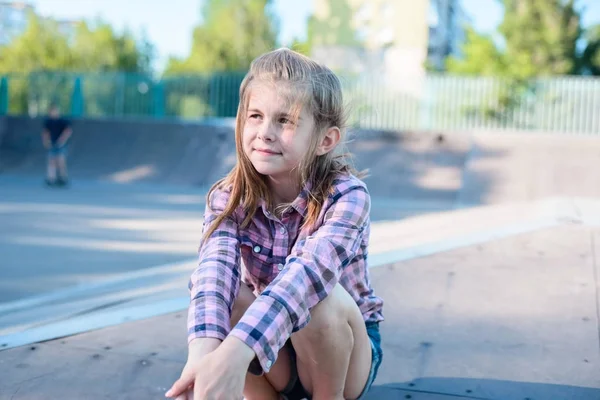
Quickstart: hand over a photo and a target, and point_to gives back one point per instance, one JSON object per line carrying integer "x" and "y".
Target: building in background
{"x": 446, "y": 21}
{"x": 391, "y": 38}
{"x": 13, "y": 19}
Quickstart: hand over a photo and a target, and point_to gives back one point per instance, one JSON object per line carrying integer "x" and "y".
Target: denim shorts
{"x": 376, "y": 356}
{"x": 294, "y": 389}
{"x": 56, "y": 151}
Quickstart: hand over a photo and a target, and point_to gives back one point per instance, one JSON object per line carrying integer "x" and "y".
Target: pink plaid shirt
{"x": 290, "y": 270}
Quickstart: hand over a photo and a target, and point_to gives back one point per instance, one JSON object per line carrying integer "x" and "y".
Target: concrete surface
{"x": 407, "y": 166}
{"x": 513, "y": 167}
{"x": 468, "y": 168}
{"x": 513, "y": 318}
{"x": 484, "y": 247}
{"x": 55, "y": 238}
{"x": 124, "y": 151}
{"x": 103, "y": 300}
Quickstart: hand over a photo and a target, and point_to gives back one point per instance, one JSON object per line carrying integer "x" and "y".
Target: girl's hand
{"x": 182, "y": 389}
{"x": 220, "y": 374}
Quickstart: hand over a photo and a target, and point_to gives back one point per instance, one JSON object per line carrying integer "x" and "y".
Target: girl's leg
{"x": 333, "y": 350}
{"x": 268, "y": 385}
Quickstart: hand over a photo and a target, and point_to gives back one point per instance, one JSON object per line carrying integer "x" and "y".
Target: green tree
{"x": 540, "y": 38}
{"x": 301, "y": 46}
{"x": 43, "y": 60}
{"x": 97, "y": 47}
{"x": 590, "y": 61}
{"x": 481, "y": 57}
{"x": 41, "y": 46}
{"x": 232, "y": 34}
{"x": 93, "y": 47}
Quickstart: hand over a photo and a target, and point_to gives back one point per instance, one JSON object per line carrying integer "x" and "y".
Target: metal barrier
{"x": 431, "y": 102}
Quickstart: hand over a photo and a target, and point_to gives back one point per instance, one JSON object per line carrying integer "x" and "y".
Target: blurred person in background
{"x": 55, "y": 135}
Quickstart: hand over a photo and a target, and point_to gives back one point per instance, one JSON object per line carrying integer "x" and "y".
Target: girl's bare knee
{"x": 242, "y": 302}
{"x": 336, "y": 308}
{"x": 330, "y": 320}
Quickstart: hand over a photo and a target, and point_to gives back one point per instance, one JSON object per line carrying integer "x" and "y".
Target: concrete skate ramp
{"x": 513, "y": 167}
{"x": 442, "y": 170}
{"x": 123, "y": 151}
{"x": 414, "y": 166}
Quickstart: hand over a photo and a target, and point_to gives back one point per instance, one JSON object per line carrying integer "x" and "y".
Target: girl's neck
{"x": 284, "y": 190}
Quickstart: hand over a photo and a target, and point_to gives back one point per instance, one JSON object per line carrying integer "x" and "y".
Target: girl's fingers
{"x": 181, "y": 385}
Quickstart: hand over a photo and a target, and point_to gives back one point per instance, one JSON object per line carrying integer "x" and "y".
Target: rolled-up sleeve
{"x": 215, "y": 283}
{"x": 311, "y": 271}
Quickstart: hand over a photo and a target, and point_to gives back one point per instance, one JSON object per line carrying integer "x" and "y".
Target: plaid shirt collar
{"x": 300, "y": 203}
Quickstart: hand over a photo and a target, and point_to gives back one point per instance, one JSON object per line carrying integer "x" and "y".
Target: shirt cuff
{"x": 207, "y": 318}
{"x": 202, "y": 332}
{"x": 265, "y": 327}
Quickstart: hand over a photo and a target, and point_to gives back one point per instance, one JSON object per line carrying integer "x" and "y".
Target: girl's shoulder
{"x": 346, "y": 182}
{"x": 218, "y": 197}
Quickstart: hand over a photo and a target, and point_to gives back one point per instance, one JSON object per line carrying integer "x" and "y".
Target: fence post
{"x": 4, "y": 95}
{"x": 120, "y": 95}
{"x": 77, "y": 99}
{"x": 159, "y": 99}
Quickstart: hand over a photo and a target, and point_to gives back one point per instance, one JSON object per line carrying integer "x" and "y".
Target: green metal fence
{"x": 433, "y": 102}
{"x": 117, "y": 95}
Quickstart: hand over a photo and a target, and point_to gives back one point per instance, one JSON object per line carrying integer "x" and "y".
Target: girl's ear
{"x": 329, "y": 141}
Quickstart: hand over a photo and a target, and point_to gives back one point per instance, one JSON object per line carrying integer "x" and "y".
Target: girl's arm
{"x": 215, "y": 283}
{"x": 312, "y": 270}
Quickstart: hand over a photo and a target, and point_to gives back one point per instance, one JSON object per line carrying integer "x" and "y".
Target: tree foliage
{"x": 97, "y": 47}
{"x": 590, "y": 61}
{"x": 539, "y": 38}
{"x": 43, "y": 61}
{"x": 481, "y": 56}
{"x": 91, "y": 47}
{"x": 232, "y": 34}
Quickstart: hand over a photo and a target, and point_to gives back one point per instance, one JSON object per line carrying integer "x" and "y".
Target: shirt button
{"x": 280, "y": 266}
{"x": 282, "y": 230}
{"x": 257, "y": 249}
{"x": 269, "y": 363}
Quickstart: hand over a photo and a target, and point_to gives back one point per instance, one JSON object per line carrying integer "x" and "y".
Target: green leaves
{"x": 91, "y": 47}
{"x": 481, "y": 57}
{"x": 590, "y": 60}
{"x": 232, "y": 34}
{"x": 539, "y": 38}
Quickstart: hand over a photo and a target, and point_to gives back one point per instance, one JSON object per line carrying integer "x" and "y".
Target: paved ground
{"x": 56, "y": 238}
{"x": 484, "y": 248}
{"x": 512, "y": 318}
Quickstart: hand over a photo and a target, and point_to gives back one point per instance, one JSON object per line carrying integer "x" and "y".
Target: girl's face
{"x": 275, "y": 141}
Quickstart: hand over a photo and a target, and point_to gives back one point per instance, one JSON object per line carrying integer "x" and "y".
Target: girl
{"x": 299, "y": 319}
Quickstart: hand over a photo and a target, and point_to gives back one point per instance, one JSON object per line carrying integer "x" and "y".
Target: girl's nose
{"x": 267, "y": 132}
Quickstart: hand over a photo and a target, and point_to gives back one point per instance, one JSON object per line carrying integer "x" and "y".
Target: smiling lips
{"x": 267, "y": 152}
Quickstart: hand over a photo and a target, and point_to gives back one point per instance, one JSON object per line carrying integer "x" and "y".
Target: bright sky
{"x": 169, "y": 24}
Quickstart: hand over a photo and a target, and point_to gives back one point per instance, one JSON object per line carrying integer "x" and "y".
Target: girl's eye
{"x": 285, "y": 121}
{"x": 255, "y": 116}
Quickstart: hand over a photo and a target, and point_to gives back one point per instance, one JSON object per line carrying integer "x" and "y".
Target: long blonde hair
{"x": 314, "y": 86}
